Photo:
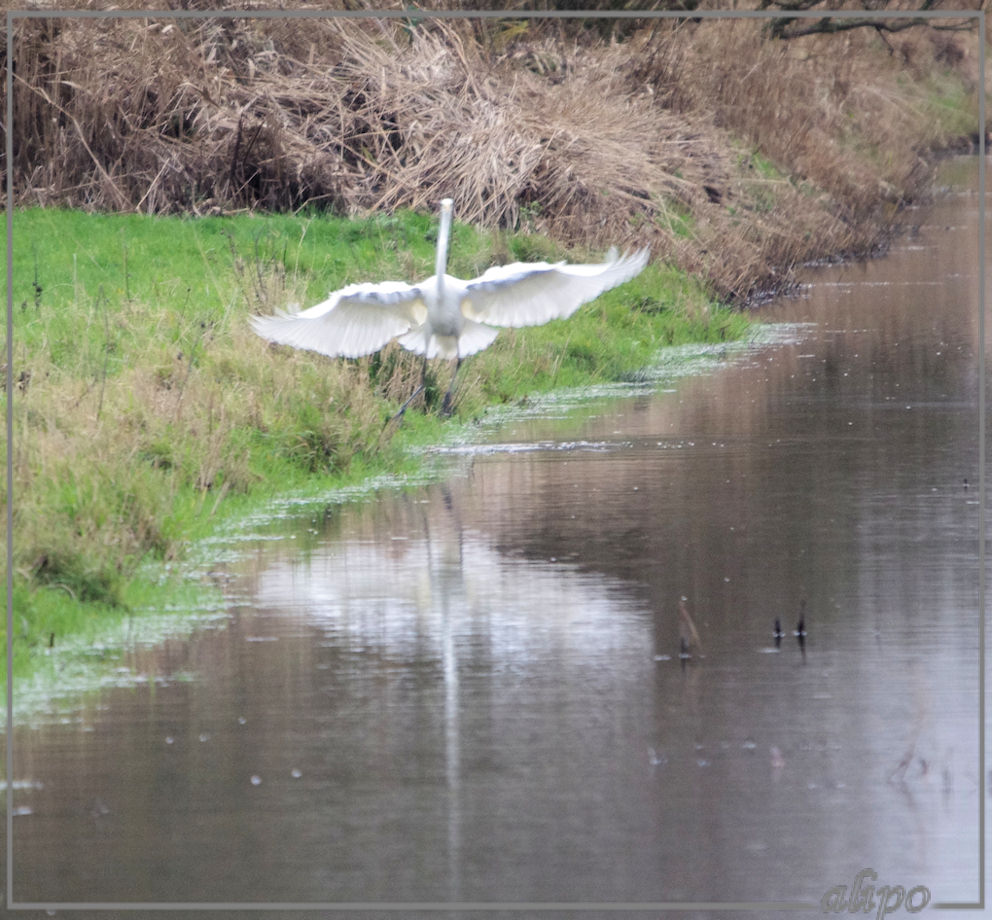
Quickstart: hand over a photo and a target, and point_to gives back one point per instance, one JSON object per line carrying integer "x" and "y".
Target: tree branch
{"x": 787, "y": 28}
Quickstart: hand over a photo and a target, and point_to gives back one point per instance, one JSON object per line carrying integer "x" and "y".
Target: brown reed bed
{"x": 732, "y": 155}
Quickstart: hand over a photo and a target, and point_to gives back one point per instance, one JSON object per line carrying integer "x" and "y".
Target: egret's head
{"x": 446, "y": 204}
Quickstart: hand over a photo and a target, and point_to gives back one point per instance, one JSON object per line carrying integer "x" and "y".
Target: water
{"x": 471, "y": 691}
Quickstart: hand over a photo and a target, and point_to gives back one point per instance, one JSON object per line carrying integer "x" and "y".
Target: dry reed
{"x": 541, "y": 126}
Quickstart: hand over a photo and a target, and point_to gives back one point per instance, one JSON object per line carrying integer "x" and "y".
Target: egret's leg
{"x": 414, "y": 394}
{"x": 446, "y": 402}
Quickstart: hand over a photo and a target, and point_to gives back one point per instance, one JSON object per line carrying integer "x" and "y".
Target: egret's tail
{"x": 474, "y": 337}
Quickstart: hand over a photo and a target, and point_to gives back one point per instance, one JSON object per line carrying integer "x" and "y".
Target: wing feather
{"x": 357, "y": 320}
{"x": 532, "y": 293}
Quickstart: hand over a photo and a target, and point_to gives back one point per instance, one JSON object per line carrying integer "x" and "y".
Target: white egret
{"x": 443, "y": 316}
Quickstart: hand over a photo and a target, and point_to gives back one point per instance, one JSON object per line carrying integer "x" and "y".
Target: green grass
{"x": 950, "y": 108}
{"x": 763, "y": 167}
{"x": 677, "y": 220}
{"x": 146, "y": 412}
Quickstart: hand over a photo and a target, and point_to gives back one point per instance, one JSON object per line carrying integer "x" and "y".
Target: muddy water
{"x": 472, "y": 692}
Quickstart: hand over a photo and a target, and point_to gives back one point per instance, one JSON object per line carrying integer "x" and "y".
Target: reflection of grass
{"x": 145, "y": 408}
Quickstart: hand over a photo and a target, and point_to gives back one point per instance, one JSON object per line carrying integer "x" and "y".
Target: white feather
{"x": 357, "y": 320}
{"x": 530, "y": 294}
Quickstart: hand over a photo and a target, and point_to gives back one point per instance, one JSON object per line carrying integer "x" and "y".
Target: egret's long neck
{"x": 442, "y": 241}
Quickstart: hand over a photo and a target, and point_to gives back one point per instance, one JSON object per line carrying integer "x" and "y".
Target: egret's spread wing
{"x": 357, "y": 320}
{"x": 531, "y": 293}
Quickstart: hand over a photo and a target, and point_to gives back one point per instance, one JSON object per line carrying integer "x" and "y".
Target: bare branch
{"x": 787, "y": 28}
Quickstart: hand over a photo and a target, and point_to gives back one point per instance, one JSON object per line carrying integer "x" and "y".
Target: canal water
{"x": 472, "y": 692}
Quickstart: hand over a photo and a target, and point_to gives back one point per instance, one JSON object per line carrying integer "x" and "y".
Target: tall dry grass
{"x": 549, "y": 126}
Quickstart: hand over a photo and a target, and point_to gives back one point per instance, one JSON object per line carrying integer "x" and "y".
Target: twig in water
{"x": 688, "y": 635}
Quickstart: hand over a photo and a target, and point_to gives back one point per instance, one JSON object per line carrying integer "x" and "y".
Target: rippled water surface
{"x": 472, "y": 691}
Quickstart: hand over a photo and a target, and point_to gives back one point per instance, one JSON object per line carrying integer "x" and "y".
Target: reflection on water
{"x": 472, "y": 692}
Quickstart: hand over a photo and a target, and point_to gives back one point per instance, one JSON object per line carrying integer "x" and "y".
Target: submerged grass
{"x": 145, "y": 410}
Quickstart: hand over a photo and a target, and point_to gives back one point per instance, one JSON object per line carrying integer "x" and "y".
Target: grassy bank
{"x": 145, "y": 410}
